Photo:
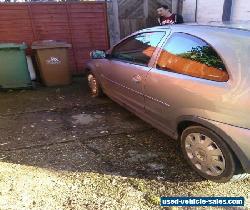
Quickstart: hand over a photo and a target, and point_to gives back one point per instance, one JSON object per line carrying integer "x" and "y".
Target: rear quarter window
{"x": 186, "y": 54}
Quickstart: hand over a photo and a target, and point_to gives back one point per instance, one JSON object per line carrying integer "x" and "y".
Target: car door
{"x": 126, "y": 68}
{"x": 185, "y": 66}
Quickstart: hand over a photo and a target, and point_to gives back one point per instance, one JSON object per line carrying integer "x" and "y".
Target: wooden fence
{"x": 82, "y": 24}
{"x": 128, "y": 16}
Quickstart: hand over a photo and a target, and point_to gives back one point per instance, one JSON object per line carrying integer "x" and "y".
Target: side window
{"x": 139, "y": 48}
{"x": 186, "y": 54}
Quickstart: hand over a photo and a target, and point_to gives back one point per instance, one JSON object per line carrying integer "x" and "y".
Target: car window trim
{"x": 124, "y": 61}
{"x": 131, "y": 36}
{"x": 173, "y": 72}
{"x": 157, "y": 52}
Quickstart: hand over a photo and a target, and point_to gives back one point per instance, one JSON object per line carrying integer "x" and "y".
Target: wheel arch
{"x": 187, "y": 121}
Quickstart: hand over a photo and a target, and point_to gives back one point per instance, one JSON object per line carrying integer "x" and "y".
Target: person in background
{"x": 166, "y": 17}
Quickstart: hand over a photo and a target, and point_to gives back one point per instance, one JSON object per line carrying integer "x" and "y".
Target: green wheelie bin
{"x": 14, "y": 71}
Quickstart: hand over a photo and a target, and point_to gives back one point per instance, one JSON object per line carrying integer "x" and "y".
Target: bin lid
{"x": 4, "y": 46}
{"x": 48, "y": 44}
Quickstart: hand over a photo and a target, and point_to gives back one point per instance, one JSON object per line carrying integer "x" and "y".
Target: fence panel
{"x": 83, "y": 24}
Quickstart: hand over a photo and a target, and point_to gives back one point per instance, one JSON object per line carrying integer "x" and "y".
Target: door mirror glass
{"x": 97, "y": 54}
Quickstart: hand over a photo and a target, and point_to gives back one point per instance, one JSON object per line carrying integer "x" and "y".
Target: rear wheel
{"x": 94, "y": 85}
{"x": 208, "y": 154}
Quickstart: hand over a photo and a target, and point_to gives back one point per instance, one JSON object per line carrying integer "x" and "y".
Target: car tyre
{"x": 209, "y": 155}
{"x": 94, "y": 85}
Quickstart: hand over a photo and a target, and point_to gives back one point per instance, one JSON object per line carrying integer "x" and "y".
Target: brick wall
{"x": 188, "y": 10}
{"x": 241, "y": 10}
{"x": 212, "y": 10}
{"x": 207, "y": 10}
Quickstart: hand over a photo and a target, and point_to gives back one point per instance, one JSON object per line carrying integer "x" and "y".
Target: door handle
{"x": 136, "y": 79}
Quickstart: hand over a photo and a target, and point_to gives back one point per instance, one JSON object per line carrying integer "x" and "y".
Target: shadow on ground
{"x": 62, "y": 149}
{"x": 66, "y": 129}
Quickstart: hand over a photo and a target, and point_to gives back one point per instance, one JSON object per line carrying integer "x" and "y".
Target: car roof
{"x": 240, "y": 25}
{"x": 214, "y": 25}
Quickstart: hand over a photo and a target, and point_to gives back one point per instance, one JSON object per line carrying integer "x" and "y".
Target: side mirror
{"x": 97, "y": 54}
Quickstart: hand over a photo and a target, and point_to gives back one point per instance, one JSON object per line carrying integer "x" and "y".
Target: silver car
{"x": 192, "y": 82}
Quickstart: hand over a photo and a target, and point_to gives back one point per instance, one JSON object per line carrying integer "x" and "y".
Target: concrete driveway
{"x": 62, "y": 149}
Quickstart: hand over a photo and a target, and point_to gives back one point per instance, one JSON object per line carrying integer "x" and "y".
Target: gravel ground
{"x": 62, "y": 149}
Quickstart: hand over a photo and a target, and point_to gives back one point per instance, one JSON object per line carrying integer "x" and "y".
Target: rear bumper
{"x": 237, "y": 138}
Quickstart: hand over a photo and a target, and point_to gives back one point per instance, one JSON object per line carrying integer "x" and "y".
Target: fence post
{"x": 32, "y": 22}
{"x": 227, "y": 10}
{"x": 113, "y": 21}
{"x": 67, "y": 4}
{"x": 146, "y": 11}
{"x": 175, "y": 6}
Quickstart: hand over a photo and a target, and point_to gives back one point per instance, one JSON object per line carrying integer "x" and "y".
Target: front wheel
{"x": 94, "y": 85}
{"x": 208, "y": 154}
